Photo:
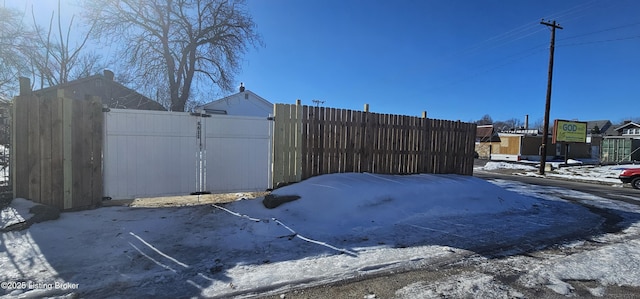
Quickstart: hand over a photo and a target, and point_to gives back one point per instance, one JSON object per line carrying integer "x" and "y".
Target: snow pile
{"x": 16, "y": 213}
{"x": 365, "y": 200}
{"x": 506, "y": 165}
{"x": 570, "y": 162}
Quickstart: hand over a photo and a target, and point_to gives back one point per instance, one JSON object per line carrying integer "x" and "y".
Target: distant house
{"x": 600, "y": 127}
{"x": 513, "y": 145}
{"x": 486, "y": 137}
{"x": 624, "y": 147}
{"x": 524, "y": 144}
{"x": 486, "y": 133}
{"x": 596, "y": 129}
{"x": 112, "y": 93}
{"x": 629, "y": 128}
{"x": 519, "y": 145}
{"x": 244, "y": 103}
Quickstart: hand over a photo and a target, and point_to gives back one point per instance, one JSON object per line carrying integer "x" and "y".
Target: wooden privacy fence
{"x": 56, "y": 149}
{"x": 310, "y": 141}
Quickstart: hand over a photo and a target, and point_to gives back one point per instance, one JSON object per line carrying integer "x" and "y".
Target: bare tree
{"x": 514, "y": 123}
{"x": 485, "y": 120}
{"x": 624, "y": 120}
{"x": 88, "y": 63}
{"x": 12, "y": 35}
{"x": 538, "y": 125}
{"x": 178, "y": 44}
{"x": 53, "y": 60}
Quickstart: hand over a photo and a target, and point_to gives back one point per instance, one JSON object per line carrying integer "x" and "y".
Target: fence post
{"x": 298, "y": 142}
{"x": 25, "y": 86}
{"x": 277, "y": 150}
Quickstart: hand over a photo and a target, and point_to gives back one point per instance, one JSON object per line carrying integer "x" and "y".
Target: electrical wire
{"x": 599, "y": 41}
{"x": 513, "y": 35}
{"x": 526, "y": 30}
{"x": 599, "y": 31}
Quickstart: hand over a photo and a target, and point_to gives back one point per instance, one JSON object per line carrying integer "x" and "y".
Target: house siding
{"x": 244, "y": 103}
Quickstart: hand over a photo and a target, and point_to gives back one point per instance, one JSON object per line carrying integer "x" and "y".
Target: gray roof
{"x": 112, "y": 93}
{"x": 605, "y": 126}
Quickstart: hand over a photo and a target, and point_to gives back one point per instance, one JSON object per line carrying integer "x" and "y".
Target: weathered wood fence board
{"x": 57, "y": 149}
{"x": 287, "y": 142}
{"x": 310, "y": 141}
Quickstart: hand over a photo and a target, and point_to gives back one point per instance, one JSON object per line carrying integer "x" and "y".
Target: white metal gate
{"x": 158, "y": 153}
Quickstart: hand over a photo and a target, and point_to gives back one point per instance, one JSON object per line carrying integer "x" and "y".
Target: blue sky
{"x": 457, "y": 60}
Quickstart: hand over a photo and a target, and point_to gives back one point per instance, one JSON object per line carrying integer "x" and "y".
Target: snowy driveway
{"x": 343, "y": 226}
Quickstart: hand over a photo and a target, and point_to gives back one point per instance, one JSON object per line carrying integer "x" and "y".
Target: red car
{"x": 631, "y": 175}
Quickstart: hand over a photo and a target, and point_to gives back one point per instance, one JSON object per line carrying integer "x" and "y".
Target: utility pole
{"x": 318, "y": 102}
{"x": 547, "y": 107}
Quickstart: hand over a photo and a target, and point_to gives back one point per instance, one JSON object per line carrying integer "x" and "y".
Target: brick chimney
{"x": 108, "y": 75}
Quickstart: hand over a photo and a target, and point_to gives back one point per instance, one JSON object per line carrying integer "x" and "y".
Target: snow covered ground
{"x": 344, "y": 225}
{"x": 593, "y": 173}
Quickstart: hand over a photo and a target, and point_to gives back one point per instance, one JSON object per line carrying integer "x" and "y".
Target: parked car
{"x": 631, "y": 175}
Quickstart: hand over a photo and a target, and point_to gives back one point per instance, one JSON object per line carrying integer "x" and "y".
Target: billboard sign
{"x": 569, "y": 131}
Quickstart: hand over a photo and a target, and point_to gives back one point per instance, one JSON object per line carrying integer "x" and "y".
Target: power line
{"x": 527, "y": 53}
{"x": 600, "y": 41}
{"x": 493, "y": 66}
{"x": 508, "y": 37}
{"x": 599, "y": 31}
{"x": 513, "y": 35}
{"x": 568, "y": 14}
{"x": 523, "y": 31}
